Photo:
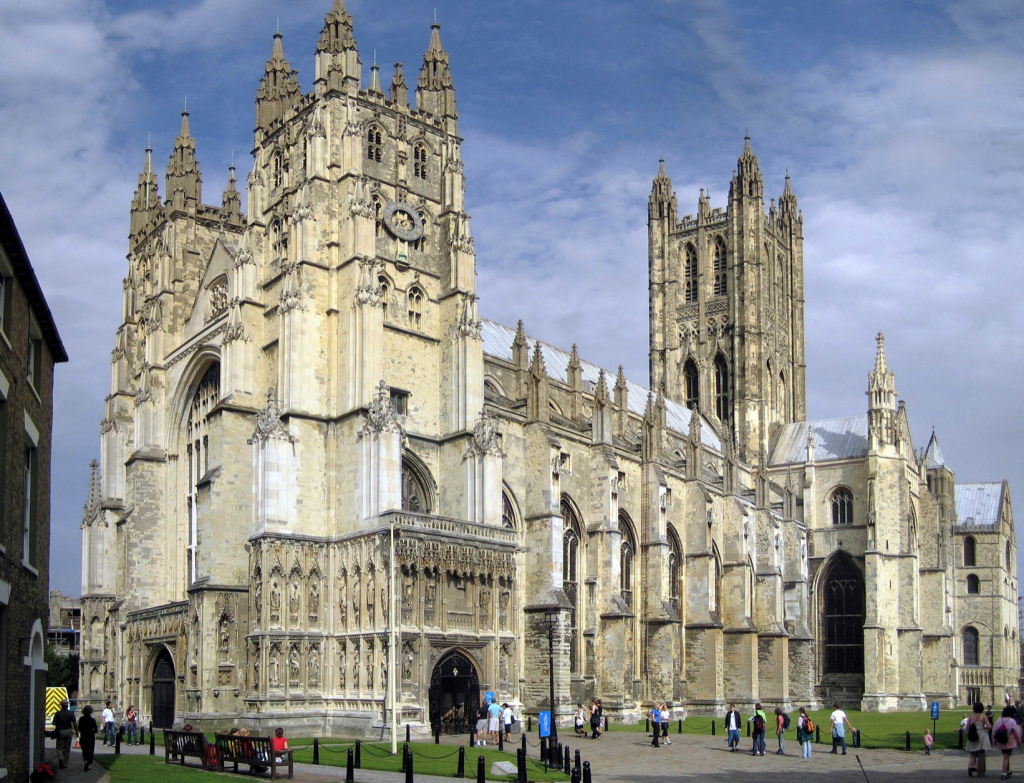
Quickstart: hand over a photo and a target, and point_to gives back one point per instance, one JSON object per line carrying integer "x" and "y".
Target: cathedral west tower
{"x": 727, "y": 306}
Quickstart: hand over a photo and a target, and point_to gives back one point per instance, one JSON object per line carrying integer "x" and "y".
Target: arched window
{"x": 277, "y": 170}
{"x": 842, "y": 507}
{"x": 971, "y": 646}
{"x": 416, "y": 308}
{"x": 378, "y": 216}
{"x": 1008, "y": 561}
{"x": 721, "y": 280}
{"x": 691, "y": 385}
{"x": 674, "y": 558}
{"x": 690, "y": 273}
{"x": 780, "y": 286}
{"x": 278, "y": 242}
{"x": 197, "y": 432}
{"x": 970, "y": 549}
{"x": 769, "y": 387}
{"x": 415, "y": 492}
{"x": 844, "y": 619}
{"x": 627, "y": 552}
{"x": 973, "y": 584}
{"x": 374, "y": 144}
{"x": 572, "y": 530}
{"x": 721, "y": 389}
{"x": 419, "y": 156}
{"x": 385, "y": 293}
{"x": 508, "y": 511}
{"x": 783, "y": 402}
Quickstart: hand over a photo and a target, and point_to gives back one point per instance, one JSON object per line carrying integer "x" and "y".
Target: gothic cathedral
{"x": 330, "y": 494}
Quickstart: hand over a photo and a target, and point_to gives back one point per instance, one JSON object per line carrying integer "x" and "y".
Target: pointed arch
{"x": 378, "y": 215}
{"x": 842, "y": 612}
{"x": 386, "y": 287}
{"x": 970, "y": 640}
{"x": 627, "y": 557}
{"x": 509, "y": 509}
{"x": 418, "y": 488}
{"x": 675, "y": 558}
{"x": 783, "y": 398}
{"x": 720, "y": 265}
{"x": 841, "y": 506}
{"x": 572, "y": 577}
{"x": 691, "y": 384}
{"x": 375, "y": 143}
{"x": 690, "y": 273}
{"x": 420, "y": 157}
{"x": 722, "y": 390}
{"x": 769, "y": 388}
{"x": 414, "y": 299}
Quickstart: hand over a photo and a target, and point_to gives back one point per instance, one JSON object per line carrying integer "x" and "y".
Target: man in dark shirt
{"x": 65, "y": 726}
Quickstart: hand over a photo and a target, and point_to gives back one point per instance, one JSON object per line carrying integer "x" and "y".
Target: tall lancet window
{"x": 690, "y": 273}
{"x": 572, "y": 531}
{"x": 721, "y": 389}
{"x": 721, "y": 282}
{"x": 198, "y": 445}
{"x": 691, "y": 385}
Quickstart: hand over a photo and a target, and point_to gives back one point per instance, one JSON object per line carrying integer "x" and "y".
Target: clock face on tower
{"x": 403, "y": 220}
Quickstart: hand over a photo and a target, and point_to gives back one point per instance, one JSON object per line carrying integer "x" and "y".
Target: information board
{"x": 935, "y": 710}
{"x": 489, "y": 696}
{"x": 544, "y": 723}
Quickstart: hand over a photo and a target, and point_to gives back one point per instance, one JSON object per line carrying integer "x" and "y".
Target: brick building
{"x": 29, "y": 348}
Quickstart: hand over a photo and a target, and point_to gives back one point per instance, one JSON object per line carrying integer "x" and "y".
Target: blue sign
{"x": 935, "y": 710}
{"x": 489, "y": 696}
{"x": 544, "y": 723}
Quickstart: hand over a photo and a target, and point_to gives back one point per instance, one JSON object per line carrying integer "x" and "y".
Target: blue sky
{"x": 899, "y": 122}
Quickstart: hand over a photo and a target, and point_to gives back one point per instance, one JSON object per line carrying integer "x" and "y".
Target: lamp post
{"x": 552, "y": 615}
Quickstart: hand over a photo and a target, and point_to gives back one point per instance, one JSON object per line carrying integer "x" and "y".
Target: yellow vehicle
{"x": 54, "y": 696}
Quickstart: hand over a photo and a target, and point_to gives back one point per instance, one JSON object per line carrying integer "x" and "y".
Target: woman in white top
{"x": 978, "y": 725}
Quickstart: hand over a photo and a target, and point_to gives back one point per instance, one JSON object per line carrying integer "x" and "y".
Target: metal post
{"x": 461, "y": 772}
{"x": 472, "y": 738}
{"x": 142, "y": 734}
{"x": 586, "y": 772}
{"x": 960, "y": 739}
{"x": 568, "y": 760}
{"x": 349, "y": 767}
{"x": 359, "y": 755}
{"x": 117, "y": 743}
{"x": 523, "y": 742}
{"x": 529, "y": 723}
{"x": 501, "y": 741}
{"x": 480, "y": 778}
{"x": 544, "y": 749}
{"x": 908, "y": 740}
{"x": 408, "y": 732}
{"x": 575, "y": 775}
{"x": 152, "y": 741}
{"x": 408, "y": 767}
{"x": 405, "y": 754}
{"x": 576, "y": 759}
{"x": 647, "y": 724}
{"x": 521, "y": 765}
{"x": 748, "y": 728}
{"x": 316, "y": 750}
{"x": 817, "y": 734}
{"x": 712, "y": 728}
{"x": 680, "y": 725}
{"x": 437, "y": 733}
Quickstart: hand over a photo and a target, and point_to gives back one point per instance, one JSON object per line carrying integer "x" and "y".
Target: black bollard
{"x": 856, "y": 739}
{"x": 152, "y": 741}
{"x": 680, "y": 725}
{"x": 712, "y": 728}
{"x": 576, "y": 759}
{"x": 461, "y": 771}
{"x": 544, "y": 749}
{"x": 117, "y": 743}
{"x": 557, "y": 760}
{"x": 408, "y": 768}
{"x": 405, "y": 754}
{"x": 480, "y": 778}
{"x": 568, "y": 761}
{"x": 647, "y": 724}
{"x": 437, "y": 733}
{"x": 960, "y": 739}
{"x": 359, "y": 755}
{"x": 350, "y": 767}
{"x": 529, "y": 723}
{"x": 817, "y": 734}
{"x": 908, "y": 740}
{"x": 316, "y": 750}
{"x": 523, "y": 742}
{"x": 748, "y": 728}
{"x": 501, "y": 741}
{"x": 408, "y": 730}
{"x": 586, "y": 772}
{"x": 521, "y": 765}
{"x": 142, "y": 734}
{"x": 575, "y": 776}
{"x": 606, "y": 719}
{"x": 472, "y": 738}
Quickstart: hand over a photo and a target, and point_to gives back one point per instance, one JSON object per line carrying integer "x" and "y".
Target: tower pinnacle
{"x": 184, "y": 181}
{"x": 434, "y": 92}
{"x": 337, "y": 57}
{"x": 278, "y": 90}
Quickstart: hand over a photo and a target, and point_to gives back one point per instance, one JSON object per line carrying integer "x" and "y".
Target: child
{"x": 928, "y": 740}
{"x": 280, "y": 742}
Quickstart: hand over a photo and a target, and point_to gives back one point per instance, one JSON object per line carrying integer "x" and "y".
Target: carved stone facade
{"x": 293, "y": 387}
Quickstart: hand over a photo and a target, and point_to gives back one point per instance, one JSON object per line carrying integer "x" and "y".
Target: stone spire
{"x": 434, "y": 91}
{"x": 787, "y": 202}
{"x": 146, "y": 200}
{"x": 537, "y": 367}
{"x": 933, "y": 454}
{"x": 231, "y": 201}
{"x": 278, "y": 90}
{"x": 375, "y": 76}
{"x": 574, "y": 372}
{"x": 881, "y": 399}
{"x": 662, "y": 202}
{"x": 184, "y": 183}
{"x": 747, "y": 181}
{"x": 399, "y": 90}
{"x": 337, "y": 57}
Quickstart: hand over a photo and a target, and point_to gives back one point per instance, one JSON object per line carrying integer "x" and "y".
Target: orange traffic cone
{"x": 77, "y": 743}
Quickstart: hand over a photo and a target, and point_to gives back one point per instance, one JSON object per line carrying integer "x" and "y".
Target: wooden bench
{"x": 179, "y": 745}
{"x": 254, "y": 751}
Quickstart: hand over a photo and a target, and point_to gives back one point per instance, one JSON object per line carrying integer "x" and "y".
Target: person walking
{"x": 781, "y": 724}
{"x": 131, "y": 718}
{"x": 1007, "y": 735}
{"x": 481, "y": 724}
{"x": 805, "y": 732}
{"x": 929, "y": 740}
{"x": 506, "y": 718}
{"x": 596, "y": 713}
{"x": 656, "y": 720}
{"x": 837, "y": 726}
{"x": 664, "y": 723}
{"x": 760, "y": 723}
{"x": 65, "y": 727}
{"x": 87, "y": 729}
{"x": 732, "y": 728}
{"x": 108, "y": 725}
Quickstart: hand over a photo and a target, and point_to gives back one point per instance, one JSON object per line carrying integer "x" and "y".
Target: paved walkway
{"x": 628, "y": 757}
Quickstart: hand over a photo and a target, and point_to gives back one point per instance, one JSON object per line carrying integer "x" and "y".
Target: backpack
{"x": 972, "y": 732}
{"x": 758, "y": 721}
{"x": 785, "y": 723}
{"x": 808, "y": 725}
{"x": 1001, "y": 735}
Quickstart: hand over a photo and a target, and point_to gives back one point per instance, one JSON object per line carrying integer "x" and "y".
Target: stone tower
{"x": 727, "y": 306}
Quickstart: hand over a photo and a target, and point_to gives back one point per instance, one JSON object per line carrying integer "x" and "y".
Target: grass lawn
{"x": 878, "y": 730}
{"x": 149, "y": 769}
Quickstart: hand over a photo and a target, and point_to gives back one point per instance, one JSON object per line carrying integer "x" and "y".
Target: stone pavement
{"x": 628, "y": 757}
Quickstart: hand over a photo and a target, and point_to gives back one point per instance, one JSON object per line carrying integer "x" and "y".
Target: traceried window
{"x": 691, "y": 385}
{"x": 627, "y": 552}
{"x": 842, "y": 507}
{"x": 674, "y": 558}
{"x": 206, "y": 396}
{"x": 277, "y": 170}
{"x": 970, "y": 550}
{"x": 385, "y": 293}
{"x": 719, "y": 257}
{"x": 780, "y": 286}
{"x": 721, "y": 389}
{"x": 783, "y": 401}
{"x": 1008, "y": 559}
{"x": 415, "y": 496}
{"x": 690, "y": 273}
{"x": 378, "y": 216}
{"x": 278, "y": 242}
{"x": 374, "y": 144}
{"x": 844, "y": 619}
{"x": 508, "y": 512}
{"x": 971, "y": 645}
{"x": 973, "y": 584}
{"x": 416, "y": 308}
{"x": 571, "y": 576}
{"x": 419, "y": 156}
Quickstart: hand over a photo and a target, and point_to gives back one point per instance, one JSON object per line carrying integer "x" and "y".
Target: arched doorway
{"x": 163, "y": 691}
{"x": 843, "y": 596}
{"x": 454, "y": 694}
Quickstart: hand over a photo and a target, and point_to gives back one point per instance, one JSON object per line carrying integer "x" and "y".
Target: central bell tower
{"x": 727, "y": 306}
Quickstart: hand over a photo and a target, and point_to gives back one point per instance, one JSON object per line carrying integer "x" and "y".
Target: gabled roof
{"x": 26, "y": 276}
{"x": 833, "y": 439}
{"x": 979, "y": 503}
{"x": 498, "y": 343}
{"x": 933, "y": 454}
